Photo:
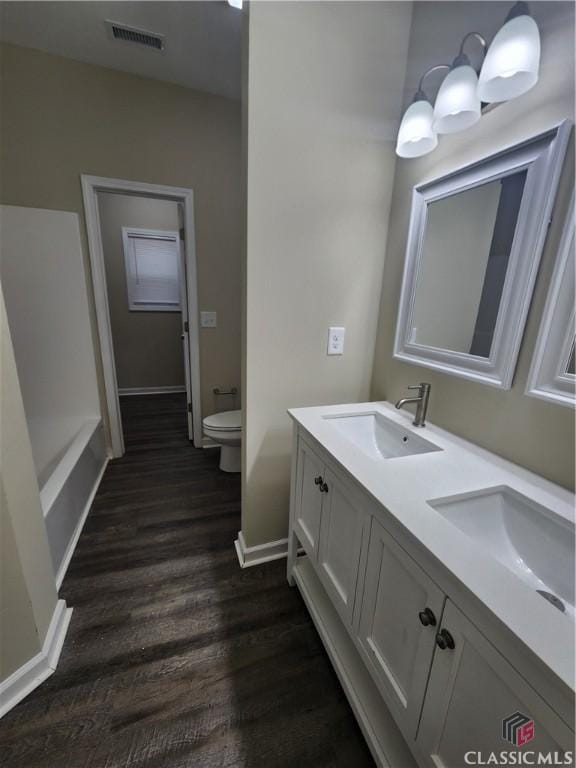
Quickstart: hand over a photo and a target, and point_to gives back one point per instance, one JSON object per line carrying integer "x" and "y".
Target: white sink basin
{"x": 533, "y": 542}
{"x": 379, "y": 437}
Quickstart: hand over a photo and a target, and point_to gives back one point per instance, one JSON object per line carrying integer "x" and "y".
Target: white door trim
{"x": 91, "y": 186}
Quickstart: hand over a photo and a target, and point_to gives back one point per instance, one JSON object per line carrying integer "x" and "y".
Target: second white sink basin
{"x": 379, "y": 437}
{"x": 533, "y": 542}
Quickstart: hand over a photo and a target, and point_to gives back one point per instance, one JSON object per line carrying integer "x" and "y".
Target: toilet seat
{"x": 227, "y": 421}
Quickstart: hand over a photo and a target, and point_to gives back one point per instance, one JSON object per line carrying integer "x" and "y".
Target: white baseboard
{"x": 76, "y": 535}
{"x": 207, "y": 442}
{"x": 30, "y": 675}
{"x": 261, "y": 553}
{"x": 151, "y": 390}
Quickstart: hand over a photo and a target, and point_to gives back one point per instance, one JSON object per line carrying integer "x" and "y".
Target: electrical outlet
{"x": 208, "y": 319}
{"x": 335, "y": 341}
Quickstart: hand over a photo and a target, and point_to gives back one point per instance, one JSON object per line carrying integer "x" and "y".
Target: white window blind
{"x": 152, "y": 261}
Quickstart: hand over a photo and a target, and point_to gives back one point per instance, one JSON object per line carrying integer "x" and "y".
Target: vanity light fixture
{"x": 509, "y": 69}
{"x": 235, "y": 4}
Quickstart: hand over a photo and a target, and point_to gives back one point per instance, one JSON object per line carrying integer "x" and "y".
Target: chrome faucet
{"x": 421, "y": 400}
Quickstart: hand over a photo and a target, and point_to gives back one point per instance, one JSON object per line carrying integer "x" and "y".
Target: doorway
{"x": 154, "y": 288}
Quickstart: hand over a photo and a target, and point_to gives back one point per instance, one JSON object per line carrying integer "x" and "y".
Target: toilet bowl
{"x": 225, "y": 429}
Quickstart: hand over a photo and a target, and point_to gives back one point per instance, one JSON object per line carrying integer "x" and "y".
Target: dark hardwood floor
{"x": 175, "y": 656}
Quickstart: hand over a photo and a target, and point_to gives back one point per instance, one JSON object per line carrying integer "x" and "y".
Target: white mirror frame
{"x": 542, "y": 157}
{"x": 548, "y": 379}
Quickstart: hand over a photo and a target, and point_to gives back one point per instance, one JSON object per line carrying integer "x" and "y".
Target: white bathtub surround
{"x": 68, "y": 493}
{"x": 387, "y": 515}
{"x": 44, "y": 284}
{"x": 28, "y": 677}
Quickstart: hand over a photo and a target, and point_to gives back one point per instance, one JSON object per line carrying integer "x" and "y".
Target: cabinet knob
{"x": 318, "y": 480}
{"x": 445, "y": 640}
{"x": 324, "y": 487}
{"x": 427, "y": 617}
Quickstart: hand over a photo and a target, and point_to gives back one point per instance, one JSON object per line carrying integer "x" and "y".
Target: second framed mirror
{"x": 552, "y": 374}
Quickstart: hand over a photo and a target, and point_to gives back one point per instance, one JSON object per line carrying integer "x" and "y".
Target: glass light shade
{"x": 457, "y": 105}
{"x": 416, "y": 136}
{"x": 512, "y": 62}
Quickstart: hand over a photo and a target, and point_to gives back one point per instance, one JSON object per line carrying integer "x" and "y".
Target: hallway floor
{"x": 176, "y": 657}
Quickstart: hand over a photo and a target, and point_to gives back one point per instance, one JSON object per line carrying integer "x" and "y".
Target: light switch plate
{"x": 208, "y": 319}
{"x": 335, "y": 341}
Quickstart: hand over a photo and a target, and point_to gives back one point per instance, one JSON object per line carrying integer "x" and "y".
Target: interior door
{"x": 401, "y": 610}
{"x": 341, "y": 532}
{"x": 184, "y": 337}
{"x": 477, "y": 702}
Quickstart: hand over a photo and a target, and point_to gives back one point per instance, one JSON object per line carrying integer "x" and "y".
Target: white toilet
{"x": 226, "y": 429}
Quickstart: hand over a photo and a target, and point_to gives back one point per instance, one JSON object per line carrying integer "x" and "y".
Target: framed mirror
{"x": 474, "y": 246}
{"x": 552, "y": 373}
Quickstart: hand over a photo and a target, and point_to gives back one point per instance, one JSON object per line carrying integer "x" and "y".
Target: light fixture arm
{"x": 478, "y": 36}
{"x": 462, "y": 58}
{"x": 420, "y": 95}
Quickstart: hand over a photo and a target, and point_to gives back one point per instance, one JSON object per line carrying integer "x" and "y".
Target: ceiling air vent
{"x": 133, "y": 35}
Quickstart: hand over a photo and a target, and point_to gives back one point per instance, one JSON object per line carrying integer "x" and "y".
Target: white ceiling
{"x": 202, "y": 46}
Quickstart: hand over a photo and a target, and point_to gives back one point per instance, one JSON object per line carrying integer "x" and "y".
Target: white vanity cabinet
{"x": 442, "y": 679}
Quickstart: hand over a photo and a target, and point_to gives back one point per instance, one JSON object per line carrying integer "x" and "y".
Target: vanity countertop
{"x": 403, "y": 486}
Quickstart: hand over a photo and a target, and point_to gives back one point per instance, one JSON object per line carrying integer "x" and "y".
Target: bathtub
{"x": 67, "y": 494}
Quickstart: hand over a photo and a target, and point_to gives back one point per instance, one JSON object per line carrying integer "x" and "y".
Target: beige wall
{"x": 62, "y": 118}
{"x": 147, "y": 345}
{"x": 27, "y": 586}
{"x": 530, "y": 432}
{"x": 324, "y": 90}
{"x": 19, "y": 639}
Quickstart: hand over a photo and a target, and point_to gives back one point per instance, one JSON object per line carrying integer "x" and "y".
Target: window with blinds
{"x": 152, "y": 260}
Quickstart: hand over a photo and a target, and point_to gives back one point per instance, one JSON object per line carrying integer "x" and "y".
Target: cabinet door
{"x": 309, "y": 502}
{"x": 397, "y": 645}
{"x": 340, "y": 543}
{"x": 472, "y": 691}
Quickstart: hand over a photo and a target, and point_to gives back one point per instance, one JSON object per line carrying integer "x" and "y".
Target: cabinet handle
{"x": 324, "y": 487}
{"x": 445, "y": 640}
{"x": 318, "y": 480}
{"x": 427, "y": 617}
